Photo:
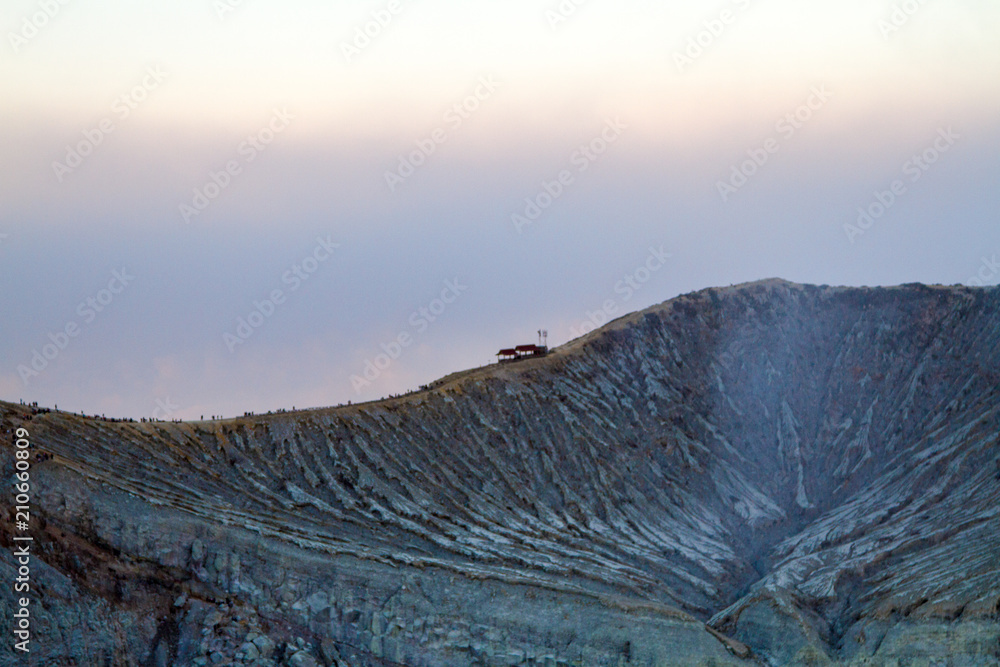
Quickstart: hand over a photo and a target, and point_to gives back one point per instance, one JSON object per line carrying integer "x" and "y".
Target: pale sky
{"x": 505, "y": 166}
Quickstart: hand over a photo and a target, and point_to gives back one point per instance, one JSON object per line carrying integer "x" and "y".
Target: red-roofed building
{"x": 522, "y": 352}
{"x": 526, "y": 351}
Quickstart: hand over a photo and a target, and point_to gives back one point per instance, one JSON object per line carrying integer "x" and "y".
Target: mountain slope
{"x": 812, "y": 471}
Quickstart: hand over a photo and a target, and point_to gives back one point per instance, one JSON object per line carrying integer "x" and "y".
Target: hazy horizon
{"x": 204, "y": 149}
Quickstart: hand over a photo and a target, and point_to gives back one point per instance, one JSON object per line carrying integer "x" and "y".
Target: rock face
{"x": 765, "y": 474}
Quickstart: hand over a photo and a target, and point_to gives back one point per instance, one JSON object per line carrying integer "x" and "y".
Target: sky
{"x": 209, "y": 207}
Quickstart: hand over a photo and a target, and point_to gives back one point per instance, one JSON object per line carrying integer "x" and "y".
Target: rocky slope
{"x": 766, "y": 474}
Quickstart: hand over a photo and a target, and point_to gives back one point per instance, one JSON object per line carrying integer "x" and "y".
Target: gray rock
{"x": 318, "y": 601}
{"x": 250, "y": 651}
{"x": 264, "y": 645}
{"x": 811, "y": 472}
{"x": 197, "y": 550}
{"x": 302, "y": 659}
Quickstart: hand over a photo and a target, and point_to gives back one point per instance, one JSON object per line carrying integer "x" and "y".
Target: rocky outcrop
{"x": 765, "y": 474}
